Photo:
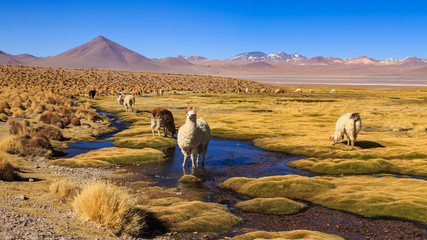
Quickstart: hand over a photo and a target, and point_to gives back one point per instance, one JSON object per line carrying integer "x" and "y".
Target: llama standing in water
{"x": 193, "y": 137}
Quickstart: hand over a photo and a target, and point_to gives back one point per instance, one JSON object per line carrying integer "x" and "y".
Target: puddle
{"x": 224, "y": 159}
{"x": 84, "y": 146}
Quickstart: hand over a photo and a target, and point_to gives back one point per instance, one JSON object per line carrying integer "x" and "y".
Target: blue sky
{"x": 219, "y": 29}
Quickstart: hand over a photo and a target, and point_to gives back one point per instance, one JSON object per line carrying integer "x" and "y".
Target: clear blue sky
{"x": 219, "y": 29}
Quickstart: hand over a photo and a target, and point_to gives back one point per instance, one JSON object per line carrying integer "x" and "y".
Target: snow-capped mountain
{"x": 260, "y": 56}
{"x": 250, "y": 56}
{"x": 284, "y": 56}
{"x": 191, "y": 58}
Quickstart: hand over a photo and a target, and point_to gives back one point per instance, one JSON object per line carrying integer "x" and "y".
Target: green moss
{"x": 105, "y": 156}
{"x": 290, "y": 186}
{"x": 184, "y": 216}
{"x": 144, "y": 141}
{"x": 351, "y": 167}
{"x": 187, "y": 178}
{"x": 271, "y": 206}
{"x": 363, "y": 195}
{"x": 296, "y": 234}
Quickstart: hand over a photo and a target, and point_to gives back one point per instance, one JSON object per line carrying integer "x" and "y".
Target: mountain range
{"x": 102, "y": 53}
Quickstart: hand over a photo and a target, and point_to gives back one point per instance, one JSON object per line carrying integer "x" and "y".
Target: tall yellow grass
{"x": 64, "y": 189}
{"x": 7, "y": 171}
{"x": 111, "y": 206}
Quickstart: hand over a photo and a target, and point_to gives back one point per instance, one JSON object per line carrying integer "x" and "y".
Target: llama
{"x": 189, "y": 137}
{"x": 129, "y": 102}
{"x": 333, "y": 91}
{"x": 92, "y": 94}
{"x": 298, "y": 90}
{"x": 205, "y": 131}
{"x": 349, "y": 124}
{"x": 162, "y": 117}
{"x": 279, "y": 90}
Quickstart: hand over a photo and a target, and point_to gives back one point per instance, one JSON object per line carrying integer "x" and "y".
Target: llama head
{"x": 191, "y": 114}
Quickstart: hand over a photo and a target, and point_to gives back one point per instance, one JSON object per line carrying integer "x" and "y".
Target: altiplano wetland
{"x": 380, "y": 184}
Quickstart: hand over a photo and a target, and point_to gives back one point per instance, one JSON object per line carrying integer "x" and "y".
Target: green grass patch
{"x": 114, "y": 155}
{"x": 296, "y": 234}
{"x": 145, "y": 141}
{"x": 271, "y": 205}
{"x": 195, "y": 216}
{"x": 289, "y": 186}
{"x": 368, "y": 196}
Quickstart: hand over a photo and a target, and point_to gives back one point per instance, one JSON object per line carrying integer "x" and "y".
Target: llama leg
{"x": 185, "y": 158}
{"x": 192, "y": 160}
{"x": 197, "y": 161}
{"x": 203, "y": 160}
{"x": 153, "y": 125}
{"x": 165, "y": 130}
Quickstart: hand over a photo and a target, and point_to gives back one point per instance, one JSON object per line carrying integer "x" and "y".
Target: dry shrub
{"x": 66, "y": 120}
{"x": 64, "y": 189}
{"x": 17, "y": 128}
{"x": 111, "y": 206}
{"x": 93, "y": 116}
{"x": 69, "y": 103}
{"x": 9, "y": 144}
{"x": 29, "y": 110}
{"x": 18, "y": 113}
{"x": 38, "y": 109}
{"x": 24, "y": 96}
{"x": 48, "y": 132}
{"x": 17, "y": 104}
{"x": 7, "y": 171}
{"x": 86, "y": 105}
{"x": 64, "y": 111}
{"x": 3, "y": 106}
{"x": 34, "y": 145}
{"x": 81, "y": 113}
{"x": 52, "y": 118}
{"x": 75, "y": 121}
{"x": 3, "y": 117}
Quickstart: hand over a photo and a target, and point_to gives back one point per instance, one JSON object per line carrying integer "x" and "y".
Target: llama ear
{"x": 195, "y": 111}
{"x": 188, "y": 109}
{"x": 331, "y": 138}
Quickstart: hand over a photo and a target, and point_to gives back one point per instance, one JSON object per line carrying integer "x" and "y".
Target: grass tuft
{"x": 271, "y": 206}
{"x": 64, "y": 189}
{"x": 106, "y": 156}
{"x": 289, "y": 186}
{"x": 111, "y": 206}
{"x": 184, "y": 216}
{"x": 7, "y": 171}
{"x": 288, "y": 235}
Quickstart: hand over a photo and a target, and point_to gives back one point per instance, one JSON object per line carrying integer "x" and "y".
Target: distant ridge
{"x": 102, "y": 53}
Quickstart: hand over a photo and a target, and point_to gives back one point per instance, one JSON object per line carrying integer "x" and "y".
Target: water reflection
{"x": 224, "y": 159}
{"x": 84, "y": 147}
